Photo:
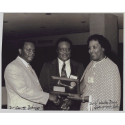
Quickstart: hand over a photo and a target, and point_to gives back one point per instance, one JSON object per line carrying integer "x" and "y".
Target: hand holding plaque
{"x": 75, "y": 97}
{"x": 66, "y": 104}
{"x": 57, "y": 102}
{"x": 63, "y": 87}
{"x": 54, "y": 98}
{"x": 79, "y": 98}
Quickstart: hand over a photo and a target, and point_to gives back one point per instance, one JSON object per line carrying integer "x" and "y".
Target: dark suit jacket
{"x": 51, "y": 69}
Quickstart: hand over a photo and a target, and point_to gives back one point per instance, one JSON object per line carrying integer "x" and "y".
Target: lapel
{"x": 73, "y": 68}
{"x": 54, "y": 69}
{"x": 26, "y": 70}
{"x": 34, "y": 73}
{"x": 20, "y": 63}
{"x": 34, "y": 82}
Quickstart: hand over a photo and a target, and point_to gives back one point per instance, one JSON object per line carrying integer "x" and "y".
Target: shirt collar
{"x": 61, "y": 62}
{"x": 24, "y": 62}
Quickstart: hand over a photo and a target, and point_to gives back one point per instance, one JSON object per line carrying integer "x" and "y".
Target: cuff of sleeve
{"x": 45, "y": 98}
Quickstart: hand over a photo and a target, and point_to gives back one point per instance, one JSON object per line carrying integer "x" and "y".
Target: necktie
{"x": 30, "y": 69}
{"x": 63, "y": 71}
{"x": 64, "y": 105}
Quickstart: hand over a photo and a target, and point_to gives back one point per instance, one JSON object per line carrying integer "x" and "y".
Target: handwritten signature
{"x": 104, "y": 104}
{"x": 25, "y": 108}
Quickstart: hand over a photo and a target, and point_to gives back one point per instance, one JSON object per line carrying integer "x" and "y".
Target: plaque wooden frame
{"x": 67, "y": 87}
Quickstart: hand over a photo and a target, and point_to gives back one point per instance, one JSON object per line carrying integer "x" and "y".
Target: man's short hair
{"x": 64, "y": 39}
{"x": 21, "y": 45}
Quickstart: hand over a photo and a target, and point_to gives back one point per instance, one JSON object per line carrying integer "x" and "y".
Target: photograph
{"x": 62, "y": 62}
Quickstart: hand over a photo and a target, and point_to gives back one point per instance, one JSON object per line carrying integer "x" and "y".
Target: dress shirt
{"x": 67, "y": 67}
{"x": 24, "y": 62}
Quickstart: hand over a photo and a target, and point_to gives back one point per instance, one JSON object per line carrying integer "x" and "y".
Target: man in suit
{"x": 55, "y": 68}
{"x": 23, "y": 88}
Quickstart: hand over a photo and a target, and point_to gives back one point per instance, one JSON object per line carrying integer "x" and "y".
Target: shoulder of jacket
{"x": 76, "y": 63}
{"x": 50, "y": 62}
{"x": 12, "y": 66}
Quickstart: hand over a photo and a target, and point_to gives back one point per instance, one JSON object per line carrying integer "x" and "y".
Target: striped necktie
{"x": 63, "y": 71}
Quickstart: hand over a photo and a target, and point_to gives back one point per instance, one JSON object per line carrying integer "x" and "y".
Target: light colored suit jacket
{"x": 23, "y": 88}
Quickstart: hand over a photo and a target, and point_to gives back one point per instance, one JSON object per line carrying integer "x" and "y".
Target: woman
{"x": 101, "y": 79}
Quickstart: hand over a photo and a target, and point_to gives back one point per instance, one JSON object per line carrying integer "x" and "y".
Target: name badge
{"x": 90, "y": 80}
{"x": 73, "y": 77}
{"x": 59, "y": 89}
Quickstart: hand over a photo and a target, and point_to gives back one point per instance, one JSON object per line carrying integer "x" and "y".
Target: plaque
{"x": 64, "y": 86}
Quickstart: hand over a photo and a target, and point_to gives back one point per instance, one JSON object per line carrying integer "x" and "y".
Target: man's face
{"x": 28, "y": 52}
{"x": 64, "y": 51}
{"x": 96, "y": 51}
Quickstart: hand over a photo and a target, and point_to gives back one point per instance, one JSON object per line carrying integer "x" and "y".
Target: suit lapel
{"x": 73, "y": 68}
{"x": 34, "y": 74}
{"x": 26, "y": 70}
{"x": 54, "y": 70}
{"x": 20, "y": 63}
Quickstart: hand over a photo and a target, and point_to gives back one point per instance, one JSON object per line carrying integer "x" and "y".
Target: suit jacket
{"x": 23, "y": 88}
{"x": 52, "y": 69}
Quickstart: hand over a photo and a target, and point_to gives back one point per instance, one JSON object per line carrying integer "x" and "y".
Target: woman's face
{"x": 96, "y": 51}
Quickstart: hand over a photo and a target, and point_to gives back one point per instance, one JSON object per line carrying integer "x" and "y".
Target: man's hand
{"x": 54, "y": 99}
{"x": 75, "y": 97}
{"x": 66, "y": 104}
{"x": 68, "y": 101}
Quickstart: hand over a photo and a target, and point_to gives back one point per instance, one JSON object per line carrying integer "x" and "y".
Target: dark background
{"x": 44, "y": 54}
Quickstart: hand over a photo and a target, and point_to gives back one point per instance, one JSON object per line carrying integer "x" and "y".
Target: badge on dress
{"x": 90, "y": 80}
{"x": 73, "y": 77}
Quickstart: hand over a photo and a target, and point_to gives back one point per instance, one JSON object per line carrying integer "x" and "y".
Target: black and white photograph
{"x": 83, "y": 49}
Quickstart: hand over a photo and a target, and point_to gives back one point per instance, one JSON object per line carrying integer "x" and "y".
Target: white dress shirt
{"x": 67, "y": 68}
{"x": 24, "y": 62}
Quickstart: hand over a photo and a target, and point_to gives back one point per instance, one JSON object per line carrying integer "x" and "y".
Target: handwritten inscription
{"x": 104, "y": 104}
{"x": 25, "y": 108}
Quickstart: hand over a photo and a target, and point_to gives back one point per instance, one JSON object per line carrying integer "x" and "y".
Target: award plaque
{"x": 64, "y": 86}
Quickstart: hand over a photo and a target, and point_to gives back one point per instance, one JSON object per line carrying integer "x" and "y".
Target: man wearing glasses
{"x": 62, "y": 66}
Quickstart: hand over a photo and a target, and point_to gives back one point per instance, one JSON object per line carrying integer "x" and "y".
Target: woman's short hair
{"x": 64, "y": 39}
{"x": 102, "y": 41}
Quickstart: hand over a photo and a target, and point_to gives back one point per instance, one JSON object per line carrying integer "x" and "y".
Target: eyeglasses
{"x": 30, "y": 50}
{"x": 63, "y": 50}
